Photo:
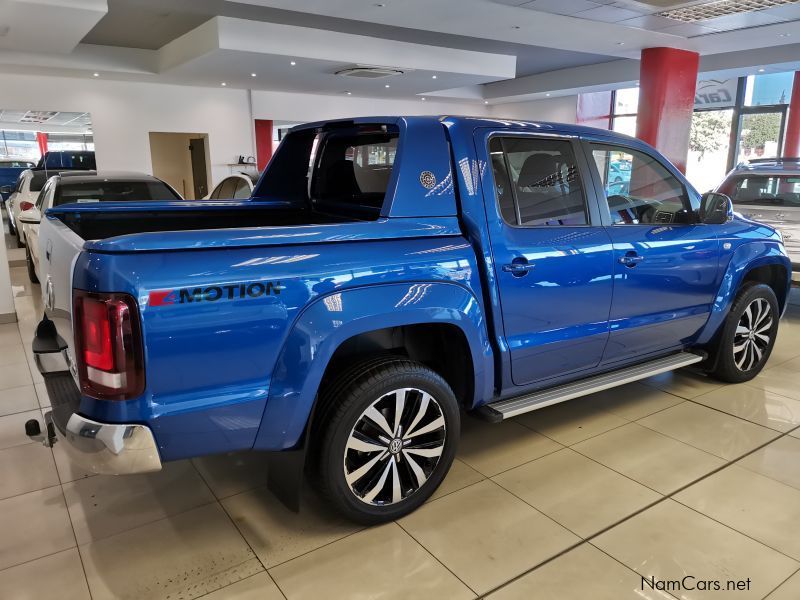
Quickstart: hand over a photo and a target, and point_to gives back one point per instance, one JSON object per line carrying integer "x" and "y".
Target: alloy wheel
{"x": 751, "y": 339}
{"x": 394, "y": 446}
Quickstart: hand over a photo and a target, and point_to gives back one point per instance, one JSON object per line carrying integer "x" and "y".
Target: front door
{"x": 552, "y": 258}
{"x": 665, "y": 263}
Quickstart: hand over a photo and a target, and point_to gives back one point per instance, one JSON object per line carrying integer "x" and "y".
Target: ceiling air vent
{"x": 368, "y": 72}
{"x": 720, "y": 8}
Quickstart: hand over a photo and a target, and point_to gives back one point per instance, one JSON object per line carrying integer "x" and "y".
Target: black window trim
{"x": 580, "y": 161}
{"x": 590, "y": 143}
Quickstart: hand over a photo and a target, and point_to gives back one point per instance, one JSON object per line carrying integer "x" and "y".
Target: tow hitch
{"x": 34, "y": 431}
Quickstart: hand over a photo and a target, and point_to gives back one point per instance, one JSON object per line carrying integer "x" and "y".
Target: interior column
{"x": 791, "y": 147}
{"x": 667, "y": 82}
{"x": 263, "y": 142}
{"x": 41, "y": 139}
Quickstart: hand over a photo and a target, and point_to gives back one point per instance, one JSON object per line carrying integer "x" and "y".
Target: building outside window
{"x": 734, "y": 120}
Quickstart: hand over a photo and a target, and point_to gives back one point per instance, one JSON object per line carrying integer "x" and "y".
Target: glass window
{"x": 242, "y": 189}
{"x": 760, "y": 135}
{"x": 111, "y": 191}
{"x": 782, "y": 190}
{"x": 639, "y": 189}
{"x": 354, "y": 169}
{"x": 227, "y": 188}
{"x": 626, "y": 125}
{"x": 709, "y": 145}
{"x": 769, "y": 88}
{"x": 626, "y": 101}
{"x": 537, "y": 182}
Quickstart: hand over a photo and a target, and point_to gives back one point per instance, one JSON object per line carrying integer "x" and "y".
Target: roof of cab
{"x": 788, "y": 165}
{"x": 475, "y": 122}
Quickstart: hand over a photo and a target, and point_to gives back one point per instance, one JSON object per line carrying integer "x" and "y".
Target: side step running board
{"x": 504, "y": 409}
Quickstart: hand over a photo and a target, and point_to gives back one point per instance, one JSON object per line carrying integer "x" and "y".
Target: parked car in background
{"x": 29, "y": 184}
{"x": 768, "y": 190}
{"x": 236, "y": 186}
{"x": 386, "y": 275}
{"x": 78, "y": 160}
{"x": 86, "y": 187}
{"x": 10, "y": 170}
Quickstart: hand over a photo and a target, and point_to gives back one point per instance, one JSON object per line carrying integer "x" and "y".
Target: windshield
{"x": 765, "y": 189}
{"x": 112, "y": 191}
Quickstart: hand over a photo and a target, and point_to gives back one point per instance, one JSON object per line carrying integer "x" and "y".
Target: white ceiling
{"x": 498, "y": 50}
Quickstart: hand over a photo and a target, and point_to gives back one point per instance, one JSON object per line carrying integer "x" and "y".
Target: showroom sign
{"x": 715, "y": 93}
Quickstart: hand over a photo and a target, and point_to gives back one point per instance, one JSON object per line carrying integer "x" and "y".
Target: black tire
{"x": 737, "y": 366}
{"x": 29, "y": 263}
{"x": 19, "y": 240}
{"x": 341, "y": 421}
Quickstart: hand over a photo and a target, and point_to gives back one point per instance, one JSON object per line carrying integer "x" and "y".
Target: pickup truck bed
{"x": 386, "y": 274}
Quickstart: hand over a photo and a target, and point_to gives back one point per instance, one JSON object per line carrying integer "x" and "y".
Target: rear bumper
{"x": 102, "y": 448}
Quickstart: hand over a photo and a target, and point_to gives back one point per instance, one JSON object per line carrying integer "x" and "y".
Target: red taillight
{"x": 25, "y": 205}
{"x": 108, "y": 345}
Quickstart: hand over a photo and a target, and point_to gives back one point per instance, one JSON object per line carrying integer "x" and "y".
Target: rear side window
{"x": 537, "y": 182}
{"x": 781, "y": 190}
{"x": 227, "y": 188}
{"x": 38, "y": 180}
{"x": 342, "y": 171}
{"x": 242, "y": 189}
{"x": 112, "y": 191}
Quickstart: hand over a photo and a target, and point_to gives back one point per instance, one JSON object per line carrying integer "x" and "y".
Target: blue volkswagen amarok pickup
{"x": 388, "y": 274}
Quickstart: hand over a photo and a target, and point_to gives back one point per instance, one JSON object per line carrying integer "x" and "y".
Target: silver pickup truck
{"x": 768, "y": 190}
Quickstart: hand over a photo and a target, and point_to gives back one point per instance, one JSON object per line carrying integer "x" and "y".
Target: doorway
{"x": 181, "y": 159}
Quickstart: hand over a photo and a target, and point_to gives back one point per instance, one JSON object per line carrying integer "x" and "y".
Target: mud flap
{"x": 285, "y": 474}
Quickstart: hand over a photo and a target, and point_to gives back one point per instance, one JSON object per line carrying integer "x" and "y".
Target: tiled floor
{"x": 674, "y": 476}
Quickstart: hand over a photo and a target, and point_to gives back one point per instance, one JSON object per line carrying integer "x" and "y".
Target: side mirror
{"x": 715, "y": 209}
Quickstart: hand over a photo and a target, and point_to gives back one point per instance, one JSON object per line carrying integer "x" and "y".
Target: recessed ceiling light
{"x": 95, "y": 74}
{"x": 547, "y": 94}
{"x": 784, "y": 34}
{"x": 761, "y": 70}
{"x": 293, "y": 63}
{"x": 516, "y": 27}
{"x": 620, "y": 43}
{"x": 379, "y": 5}
{"x": 349, "y": 93}
{"x": 423, "y": 99}
{"x": 486, "y": 102}
{"x": 253, "y": 75}
{"x": 223, "y": 84}
{"x": 387, "y": 85}
{"x": 434, "y": 77}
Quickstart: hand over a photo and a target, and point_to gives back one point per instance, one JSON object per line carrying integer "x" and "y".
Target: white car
{"x": 236, "y": 186}
{"x": 29, "y": 184}
{"x": 80, "y": 187}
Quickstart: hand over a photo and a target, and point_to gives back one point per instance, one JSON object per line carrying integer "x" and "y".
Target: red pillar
{"x": 792, "y": 145}
{"x": 41, "y": 138}
{"x": 263, "y": 142}
{"x": 667, "y": 83}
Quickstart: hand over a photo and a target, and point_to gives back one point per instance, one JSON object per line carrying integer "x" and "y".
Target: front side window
{"x": 638, "y": 188}
{"x": 537, "y": 182}
{"x": 780, "y": 190}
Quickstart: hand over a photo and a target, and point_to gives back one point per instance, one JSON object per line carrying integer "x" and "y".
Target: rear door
{"x": 552, "y": 257}
{"x": 665, "y": 263}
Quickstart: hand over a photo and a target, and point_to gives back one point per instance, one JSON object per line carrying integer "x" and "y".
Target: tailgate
{"x": 59, "y": 248}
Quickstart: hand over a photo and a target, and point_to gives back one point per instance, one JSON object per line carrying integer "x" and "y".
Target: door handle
{"x": 631, "y": 259}
{"x": 518, "y": 269}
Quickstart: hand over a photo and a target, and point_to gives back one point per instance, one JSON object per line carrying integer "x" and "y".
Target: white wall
{"x": 123, "y": 113}
{"x": 562, "y": 109}
{"x": 286, "y": 106}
